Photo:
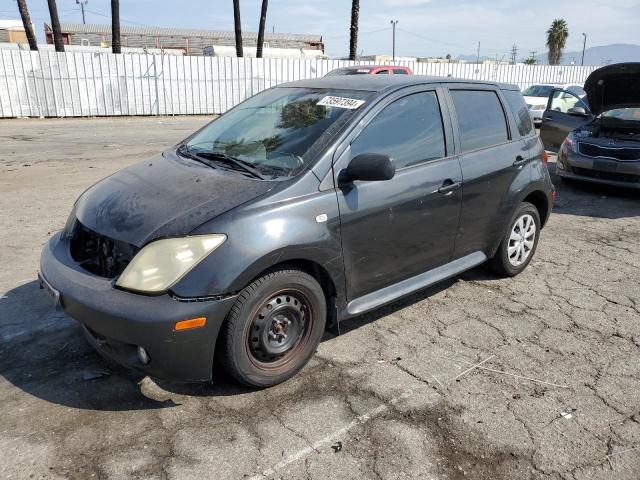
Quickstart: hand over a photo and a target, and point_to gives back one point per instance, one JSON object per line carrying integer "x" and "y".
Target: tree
{"x": 353, "y": 30}
{"x": 115, "y": 26}
{"x": 26, "y": 22}
{"x": 55, "y": 26}
{"x": 238, "y": 28}
{"x": 263, "y": 20}
{"x": 530, "y": 61}
{"x": 556, "y": 40}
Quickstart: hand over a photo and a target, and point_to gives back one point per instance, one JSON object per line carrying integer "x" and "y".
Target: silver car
{"x": 598, "y": 141}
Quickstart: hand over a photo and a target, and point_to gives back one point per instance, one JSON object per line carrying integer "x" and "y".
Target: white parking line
{"x": 329, "y": 439}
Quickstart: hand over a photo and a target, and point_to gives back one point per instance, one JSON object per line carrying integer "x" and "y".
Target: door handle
{"x": 520, "y": 161}
{"x": 449, "y": 186}
{"x": 547, "y": 118}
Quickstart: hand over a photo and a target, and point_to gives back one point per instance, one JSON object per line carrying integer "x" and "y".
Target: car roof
{"x": 384, "y": 83}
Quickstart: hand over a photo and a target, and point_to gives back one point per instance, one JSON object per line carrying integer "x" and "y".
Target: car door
{"x": 565, "y": 112}
{"x": 394, "y": 229}
{"x": 490, "y": 163}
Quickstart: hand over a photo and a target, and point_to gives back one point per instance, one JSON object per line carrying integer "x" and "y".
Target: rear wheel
{"x": 274, "y": 327}
{"x": 519, "y": 242}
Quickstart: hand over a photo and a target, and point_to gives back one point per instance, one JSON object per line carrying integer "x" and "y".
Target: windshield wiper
{"x": 202, "y": 157}
{"x": 228, "y": 159}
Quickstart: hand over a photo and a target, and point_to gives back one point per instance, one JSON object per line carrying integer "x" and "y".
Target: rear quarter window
{"x": 481, "y": 119}
{"x": 519, "y": 111}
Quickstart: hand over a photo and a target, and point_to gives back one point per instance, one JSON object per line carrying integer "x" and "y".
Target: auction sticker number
{"x": 340, "y": 102}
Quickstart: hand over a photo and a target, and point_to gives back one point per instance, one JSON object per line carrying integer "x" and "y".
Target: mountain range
{"x": 600, "y": 55}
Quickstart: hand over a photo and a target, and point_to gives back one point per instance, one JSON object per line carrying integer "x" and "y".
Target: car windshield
{"x": 279, "y": 131}
{"x": 625, "y": 114}
{"x": 538, "y": 91}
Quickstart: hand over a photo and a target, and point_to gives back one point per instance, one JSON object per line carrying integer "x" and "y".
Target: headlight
{"x": 70, "y": 225}
{"x": 161, "y": 264}
{"x": 569, "y": 144}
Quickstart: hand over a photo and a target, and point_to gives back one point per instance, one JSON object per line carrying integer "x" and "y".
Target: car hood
{"x": 613, "y": 86}
{"x": 165, "y": 196}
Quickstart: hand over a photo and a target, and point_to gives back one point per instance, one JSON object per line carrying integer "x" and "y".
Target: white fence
{"x": 50, "y": 84}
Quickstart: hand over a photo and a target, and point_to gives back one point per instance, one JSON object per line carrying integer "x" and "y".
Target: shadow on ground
{"x": 56, "y": 364}
{"x": 594, "y": 200}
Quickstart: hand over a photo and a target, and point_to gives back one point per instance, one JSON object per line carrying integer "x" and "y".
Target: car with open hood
{"x": 305, "y": 205}
{"x": 597, "y": 138}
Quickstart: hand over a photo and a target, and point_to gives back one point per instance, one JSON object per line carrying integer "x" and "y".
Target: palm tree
{"x": 556, "y": 40}
{"x": 26, "y": 22}
{"x": 263, "y": 19}
{"x": 55, "y": 26}
{"x": 115, "y": 26}
{"x": 353, "y": 30}
{"x": 238, "y": 28}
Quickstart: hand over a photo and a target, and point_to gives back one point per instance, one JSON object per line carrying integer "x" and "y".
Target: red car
{"x": 370, "y": 70}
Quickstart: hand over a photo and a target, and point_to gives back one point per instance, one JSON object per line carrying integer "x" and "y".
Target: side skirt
{"x": 405, "y": 287}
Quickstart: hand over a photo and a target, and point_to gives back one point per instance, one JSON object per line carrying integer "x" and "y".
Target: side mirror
{"x": 370, "y": 167}
{"x": 578, "y": 112}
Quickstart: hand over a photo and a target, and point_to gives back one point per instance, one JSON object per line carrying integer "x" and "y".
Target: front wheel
{"x": 519, "y": 242}
{"x": 274, "y": 327}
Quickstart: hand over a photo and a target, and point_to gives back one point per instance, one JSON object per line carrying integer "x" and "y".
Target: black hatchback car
{"x": 307, "y": 204}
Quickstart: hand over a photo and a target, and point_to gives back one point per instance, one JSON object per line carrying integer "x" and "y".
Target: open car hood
{"x": 614, "y": 86}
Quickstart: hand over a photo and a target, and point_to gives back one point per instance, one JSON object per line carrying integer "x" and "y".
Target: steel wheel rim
{"x": 279, "y": 329}
{"x": 521, "y": 240}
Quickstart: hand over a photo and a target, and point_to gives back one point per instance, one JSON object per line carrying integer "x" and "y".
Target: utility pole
{"x": 82, "y": 3}
{"x": 584, "y": 46}
{"x": 394, "y": 23}
{"x": 514, "y": 53}
{"x": 478, "y": 58}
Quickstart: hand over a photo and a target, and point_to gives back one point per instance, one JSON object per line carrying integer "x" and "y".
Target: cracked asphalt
{"x": 557, "y": 396}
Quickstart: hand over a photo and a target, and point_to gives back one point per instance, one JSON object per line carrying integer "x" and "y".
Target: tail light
{"x": 545, "y": 157}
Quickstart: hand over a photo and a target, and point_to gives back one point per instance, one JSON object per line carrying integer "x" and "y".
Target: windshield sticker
{"x": 340, "y": 102}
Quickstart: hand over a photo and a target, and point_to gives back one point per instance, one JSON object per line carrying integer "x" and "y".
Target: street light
{"x": 394, "y": 22}
{"x": 584, "y": 45}
{"x": 82, "y": 3}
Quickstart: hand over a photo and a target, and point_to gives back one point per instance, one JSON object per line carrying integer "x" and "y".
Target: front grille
{"x": 612, "y": 176}
{"x": 618, "y": 153}
{"x": 98, "y": 254}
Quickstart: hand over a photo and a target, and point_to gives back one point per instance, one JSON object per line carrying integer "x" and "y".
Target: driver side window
{"x": 409, "y": 130}
{"x": 563, "y": 101}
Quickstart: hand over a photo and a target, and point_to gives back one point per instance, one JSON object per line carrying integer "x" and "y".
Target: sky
{"x": 425, "y": 27}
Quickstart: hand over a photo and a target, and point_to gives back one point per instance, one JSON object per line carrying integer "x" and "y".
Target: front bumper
{"x": 617, "y": 173}
{"x": 116, "y": 322}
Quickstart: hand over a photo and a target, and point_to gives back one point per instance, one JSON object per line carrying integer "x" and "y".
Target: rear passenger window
{"x": 383, "y": 72}
{"x": 480, "y": 118}
{"x": 399, "y": 71}
{"x": 519, "y": 110}
{"x": 409, "y": 130}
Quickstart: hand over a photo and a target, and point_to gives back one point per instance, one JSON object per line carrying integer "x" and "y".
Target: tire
{"x": 274, "y": 327}
{"x": 508, "y": 262}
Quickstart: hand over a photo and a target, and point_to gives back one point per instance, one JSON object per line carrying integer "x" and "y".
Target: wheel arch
{"x": 539, "y": 200}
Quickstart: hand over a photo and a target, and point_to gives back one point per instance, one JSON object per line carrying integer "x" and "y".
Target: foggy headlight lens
{"x": 161, "y": 264}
